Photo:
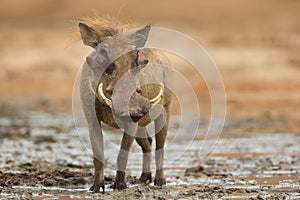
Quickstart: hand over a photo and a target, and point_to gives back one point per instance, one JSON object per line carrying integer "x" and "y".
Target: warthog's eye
{"x": 109, "y": 70}
{"x": 104, "y": 49}
{"x": 139, "y": 90}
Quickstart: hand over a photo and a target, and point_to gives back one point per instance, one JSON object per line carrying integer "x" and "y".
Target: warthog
{"x": 125, "y": 91}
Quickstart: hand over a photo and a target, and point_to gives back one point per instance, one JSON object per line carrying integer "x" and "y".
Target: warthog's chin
{"x": 105, "y": 100}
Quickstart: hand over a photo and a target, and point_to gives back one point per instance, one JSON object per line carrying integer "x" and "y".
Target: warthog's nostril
{"x": 143, "y": 62}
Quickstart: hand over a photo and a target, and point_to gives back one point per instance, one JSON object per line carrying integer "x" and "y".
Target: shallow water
{"x": 42, "y": 156}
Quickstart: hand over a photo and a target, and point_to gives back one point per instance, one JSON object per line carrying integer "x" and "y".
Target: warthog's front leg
{"x": 161, "y": 129}
{"x": 122, "y": 159}
{"x": 96, "y": 138}
{"x": 99, "y": 178}
{"x": 145, "y": 142}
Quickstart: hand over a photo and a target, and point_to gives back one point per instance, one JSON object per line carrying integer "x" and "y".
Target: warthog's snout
{"x": 129, "y": 109}
{"x": 133, "y": 114}
{"x": 137, "y": 107}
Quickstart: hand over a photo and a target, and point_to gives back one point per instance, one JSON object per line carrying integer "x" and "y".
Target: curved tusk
{"x": 102, "y": 97}
{"x": 157, "y": 99}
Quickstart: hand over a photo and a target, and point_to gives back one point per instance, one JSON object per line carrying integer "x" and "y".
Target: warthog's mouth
{"x": 108, "y": 101}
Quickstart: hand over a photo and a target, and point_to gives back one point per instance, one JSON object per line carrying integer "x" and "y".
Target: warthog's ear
{"x": 140, "y": 36}
{"x": 89, "y": 36}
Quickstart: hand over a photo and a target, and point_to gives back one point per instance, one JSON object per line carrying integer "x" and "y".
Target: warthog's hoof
{"x": 119, "y": 185}
{"x": 96, "y": 187}
{"x": 159, "y": 181}
{"x": 146, "y": 177}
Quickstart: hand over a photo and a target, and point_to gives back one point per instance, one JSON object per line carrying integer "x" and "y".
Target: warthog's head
{"x": 120, "y": 82}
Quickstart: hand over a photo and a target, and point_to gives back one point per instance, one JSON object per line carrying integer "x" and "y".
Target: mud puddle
{"x": 42, "y": 157}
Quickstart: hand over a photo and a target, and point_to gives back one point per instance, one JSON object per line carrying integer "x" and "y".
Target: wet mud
{"x": 42, "y": 157}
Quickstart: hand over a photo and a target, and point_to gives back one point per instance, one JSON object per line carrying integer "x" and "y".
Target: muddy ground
{"x": 42, "y": 156}
{"x": 256, "y": 47}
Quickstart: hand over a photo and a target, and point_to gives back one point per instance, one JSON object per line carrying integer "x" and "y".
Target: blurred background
{"x": 254, "y": 43}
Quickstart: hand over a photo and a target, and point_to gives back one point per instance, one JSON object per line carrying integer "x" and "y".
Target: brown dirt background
{"x": 254, "y": 43}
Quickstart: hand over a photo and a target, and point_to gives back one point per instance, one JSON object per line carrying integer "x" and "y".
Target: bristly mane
{"x": 106, "y": 26}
